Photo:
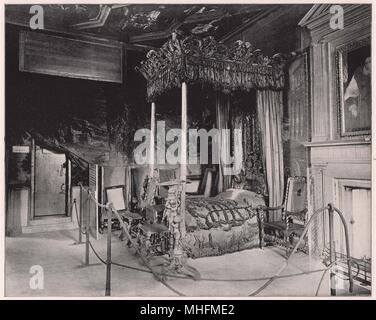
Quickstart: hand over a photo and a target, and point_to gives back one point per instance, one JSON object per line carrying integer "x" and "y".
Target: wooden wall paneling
{"x": 298, "y": 116}
{"x": 330, "y": 94}
{"x": 324, "y": 87}
{"x": 17, "y": 210}
{"x": 310, "y": 206}
{"x": 332, "y": 157}
{"x": 316, "y": 201}
{"x": 341, "y": 154}
{"x": 319, "y": 107}
{"x": 355, "y": 14}
{"x": 58, "y": 56}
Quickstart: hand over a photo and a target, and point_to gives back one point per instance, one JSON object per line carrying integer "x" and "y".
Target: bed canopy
{"x": 225, "y": 68}
{"x": 189, "y": 60}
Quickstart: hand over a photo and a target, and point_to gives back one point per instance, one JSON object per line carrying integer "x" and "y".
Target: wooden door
{"x": 50, "y": 183}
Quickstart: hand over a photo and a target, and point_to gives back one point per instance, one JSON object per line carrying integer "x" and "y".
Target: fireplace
{"x": 353, "y": 198}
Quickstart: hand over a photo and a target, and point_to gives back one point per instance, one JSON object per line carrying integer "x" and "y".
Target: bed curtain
{"x": 270, "y": 109}
{"x": 222, "y": 121}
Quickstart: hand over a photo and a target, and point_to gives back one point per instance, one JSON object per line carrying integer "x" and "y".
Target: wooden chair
{"x": 115, "y": 195}
{"x": 153, "y": 235}
{"x": 293, "y": 215}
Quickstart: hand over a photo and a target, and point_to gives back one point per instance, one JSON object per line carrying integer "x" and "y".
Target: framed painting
{"x": 354, "y": 88}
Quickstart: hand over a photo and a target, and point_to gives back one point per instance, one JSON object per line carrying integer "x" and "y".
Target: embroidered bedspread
{"x": 229, "y": 209}
{"x": 223, "y": 224}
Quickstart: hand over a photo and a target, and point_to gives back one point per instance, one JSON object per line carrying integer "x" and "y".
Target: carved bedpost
{"x": 172, "y": 216}
{"x": 176, "y": 217}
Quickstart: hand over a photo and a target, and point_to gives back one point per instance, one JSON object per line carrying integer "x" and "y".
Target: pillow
{"x": 243, "y": 197}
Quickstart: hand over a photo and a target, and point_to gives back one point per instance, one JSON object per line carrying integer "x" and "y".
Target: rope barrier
{"x": 111, "y": 209}
{"x": 268, "y": 283}
{"x": 265, "y": 285}
{"x": 204, "y": 279}
{"x": 226, "y": 280}
{"x": 123, "y": 225}
{"x": 221, "y": 280}
{"x": 158, "y": 275}
{"x": 96, "y": 253}
{"x": 78, "y": 220}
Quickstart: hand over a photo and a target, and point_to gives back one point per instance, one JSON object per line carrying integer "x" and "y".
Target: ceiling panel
{"x": 142, "y": 23}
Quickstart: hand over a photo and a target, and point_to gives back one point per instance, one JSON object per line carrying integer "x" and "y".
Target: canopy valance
{"x": 226, "y": 68}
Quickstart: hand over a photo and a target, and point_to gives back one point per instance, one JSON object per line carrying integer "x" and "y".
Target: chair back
{"x": 115, "y": 195}
{"x": 296, "y": 194}
{"x": 166, "y": 174}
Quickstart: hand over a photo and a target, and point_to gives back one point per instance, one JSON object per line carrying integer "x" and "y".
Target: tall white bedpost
{"x": 178, "y": 263}
{"x": 152, "y": 140}
{"x": 183, "y": 154}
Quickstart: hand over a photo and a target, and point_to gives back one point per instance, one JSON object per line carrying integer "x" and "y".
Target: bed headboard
{"x": 241, "y": 181}
{"x": 162, "y": 174}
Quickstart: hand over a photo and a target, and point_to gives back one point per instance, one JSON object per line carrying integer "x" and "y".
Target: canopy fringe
{"x": 238, "y": 67}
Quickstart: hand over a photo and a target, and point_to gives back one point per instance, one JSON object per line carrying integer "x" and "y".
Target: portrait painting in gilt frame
{"x": 354, "y": 88}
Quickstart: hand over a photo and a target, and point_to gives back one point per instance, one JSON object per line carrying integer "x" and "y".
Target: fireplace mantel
{"x": 337, "y": 143}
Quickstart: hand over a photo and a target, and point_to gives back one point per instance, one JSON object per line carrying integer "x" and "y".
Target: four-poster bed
{"x": 232, "y": 214}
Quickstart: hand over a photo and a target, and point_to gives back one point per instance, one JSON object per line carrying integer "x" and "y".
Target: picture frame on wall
{"x": 354, "y": 88}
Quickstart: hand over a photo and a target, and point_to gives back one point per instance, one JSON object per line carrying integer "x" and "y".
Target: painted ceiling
{"x": 148, "y": 24}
